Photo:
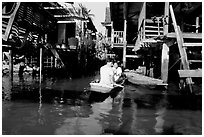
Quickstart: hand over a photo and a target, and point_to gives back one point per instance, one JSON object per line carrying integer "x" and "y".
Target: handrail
{"x": 5, "y": 15}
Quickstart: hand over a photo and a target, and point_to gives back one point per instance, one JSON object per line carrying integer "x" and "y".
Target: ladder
{"x": 7, "y": 21}
{"x": 54, "y": 52}
{"x": 186, "y": 72}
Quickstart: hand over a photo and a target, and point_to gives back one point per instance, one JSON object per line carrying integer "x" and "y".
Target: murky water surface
{"x": 63, "y": 106}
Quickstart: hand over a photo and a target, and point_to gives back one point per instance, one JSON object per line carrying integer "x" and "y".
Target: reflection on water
{"x": 61, "y": 107}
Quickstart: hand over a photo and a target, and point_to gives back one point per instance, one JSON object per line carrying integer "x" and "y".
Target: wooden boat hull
{"x": 102, "y": 88}
{"x": 99, "y": 92}
{"x": 139, "y": 79}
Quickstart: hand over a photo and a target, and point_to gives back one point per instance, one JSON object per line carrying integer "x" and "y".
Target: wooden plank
{"x": 186, "y": 35}
{"x": 190, "y": 73}
{"x": 151, "y": 35}
{"x": 192, "y": 44}
{"x": 154, "y": 31}
{"x": 153, "y": 27}
{"x": 132, "y": 56}
{"x": 191, "y": 61}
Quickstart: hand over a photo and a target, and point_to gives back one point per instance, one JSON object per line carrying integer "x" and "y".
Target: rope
{"x": 172, "y": 66}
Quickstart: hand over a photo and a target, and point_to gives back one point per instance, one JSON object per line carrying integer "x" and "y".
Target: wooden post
{"x": 165, "y": 62}
{"x": 197, "y": 24}
{"x": 40, "y": 64}
{"x": 166, "y": 16}
{"x": 124, "y": 43}
{"x": 165, "y": 48}
{"x": 11, "y": 63}
{"x": 124, "y": 33}
{"x": 112, "y": 34}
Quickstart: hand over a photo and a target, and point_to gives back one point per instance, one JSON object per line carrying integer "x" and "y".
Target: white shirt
{"x": 106, "y": 73}
{"x": 118, "y": 73}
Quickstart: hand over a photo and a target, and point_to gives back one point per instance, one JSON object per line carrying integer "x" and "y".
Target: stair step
{"x": 192, "y": 61}
{"x": 151, "y": 21}
{"x": 131, "y": 56}
{"x": 151, "y": 35}
{"x": 153, "y": 27}
{"x": 186, "y": 35}
{"x": 192, "y": 44}
{"x": 190, "y": 73}
{"x": 156, "y": 31}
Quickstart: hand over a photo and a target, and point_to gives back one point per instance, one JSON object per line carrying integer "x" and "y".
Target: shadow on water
{"x": 65, "y": 107}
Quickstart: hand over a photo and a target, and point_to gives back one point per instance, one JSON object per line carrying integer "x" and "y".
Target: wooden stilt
{"x": 11, "y": 64}
{"x": 165, "y": 63}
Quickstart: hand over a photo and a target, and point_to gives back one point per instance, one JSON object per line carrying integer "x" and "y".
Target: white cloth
{"x": 106, "y": 74}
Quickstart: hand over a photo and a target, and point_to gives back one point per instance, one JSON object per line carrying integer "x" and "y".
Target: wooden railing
{"x": 118, "y": 37}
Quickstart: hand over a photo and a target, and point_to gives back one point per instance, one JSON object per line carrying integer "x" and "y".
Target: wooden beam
{"x": 186, "y": 35}
{"x": 190, "y": 73}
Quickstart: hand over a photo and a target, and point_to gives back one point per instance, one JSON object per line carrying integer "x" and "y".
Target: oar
{"x": 118, "y": 85}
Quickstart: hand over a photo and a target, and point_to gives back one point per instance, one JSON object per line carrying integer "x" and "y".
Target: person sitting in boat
{"x": 119, "y": 76}
{"x": 106, "y": 73}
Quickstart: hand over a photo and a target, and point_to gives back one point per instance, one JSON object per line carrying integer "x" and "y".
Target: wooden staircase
{"x": 183, "y": 44}
{"x": 7, "y": 21}
{"x": 153, "y": 27}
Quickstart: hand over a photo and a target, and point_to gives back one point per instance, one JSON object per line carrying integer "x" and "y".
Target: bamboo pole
{"x": 40, "y": 65}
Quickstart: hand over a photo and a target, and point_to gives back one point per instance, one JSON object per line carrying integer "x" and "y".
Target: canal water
{"x": 63, "y": 107}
